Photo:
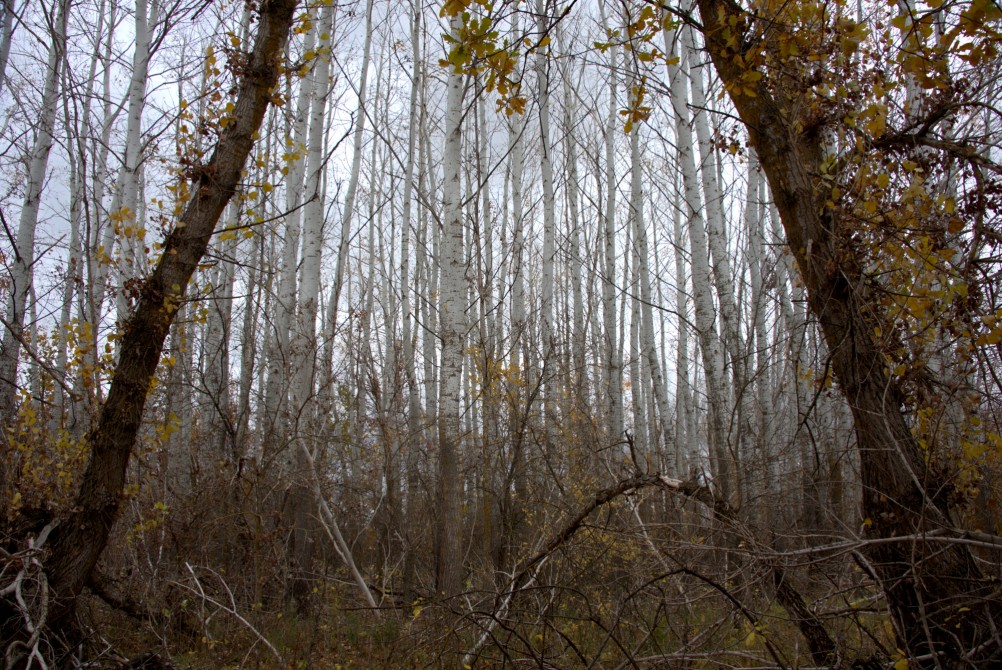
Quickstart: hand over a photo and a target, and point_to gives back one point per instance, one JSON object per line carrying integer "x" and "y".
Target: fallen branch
{"x": 230, "y": 609}
{"x": 527, "y": 573}
{"x": 102, "y": 587}
{"x": 333, "y": 530}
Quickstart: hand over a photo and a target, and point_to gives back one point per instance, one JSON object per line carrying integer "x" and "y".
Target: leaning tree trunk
{"x": 940, "y": 601}
{"x": 79, "y": 540}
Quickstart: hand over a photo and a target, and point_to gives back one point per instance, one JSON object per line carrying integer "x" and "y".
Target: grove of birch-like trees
{"x": 520, "y": 334}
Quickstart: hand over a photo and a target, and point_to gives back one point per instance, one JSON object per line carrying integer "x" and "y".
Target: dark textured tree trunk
{"x": 940, "y": 601}
{"x": 824, "y": 651}
{"x": 79, "y": 540}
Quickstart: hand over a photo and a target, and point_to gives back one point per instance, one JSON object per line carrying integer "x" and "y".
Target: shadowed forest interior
{"x": 526, "y": 334}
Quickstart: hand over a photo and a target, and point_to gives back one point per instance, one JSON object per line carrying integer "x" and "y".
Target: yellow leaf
{"x": 902, "y": 664}
{"x": 877, "y": 125}
{"x": 452, "y": 8}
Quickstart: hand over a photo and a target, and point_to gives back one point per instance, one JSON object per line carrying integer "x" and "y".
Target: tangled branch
{"x": 25, "y": 593}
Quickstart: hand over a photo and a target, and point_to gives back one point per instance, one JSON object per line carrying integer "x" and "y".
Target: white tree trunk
{"x": 414, "y": 417}
{"x": 431, "y": 272}
{"x": 710, "y": 345}
{"x": 687, "y": 456}
{"x": 647, "y": 349}
{"x": 759, "y": 420}
{"x": 102, "y": 235}
{"x": 613, "y": 351}
{"x": 549, "y": 215}
{"x": 125, "y": 214}
{"x": 6, "y": 35}
{"x": 21, "y": 265}
{"x": 279, "y": 354}
{"x": 516, "y": 148}
{"x": 67, "y": 410}
{"x": 215, "y": 405}
{"x": 348, "y": 208}
{"x": 302, "y": 498}
{"x": 578, "y": 339}
{"x": 452, "y": 328}
{"x": 304, "y": 349}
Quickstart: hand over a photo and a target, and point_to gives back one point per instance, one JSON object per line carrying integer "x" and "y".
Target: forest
{"x": 552, "y": 334}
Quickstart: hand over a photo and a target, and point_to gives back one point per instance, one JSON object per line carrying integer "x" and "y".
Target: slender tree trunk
{"x": 215, "y": 410}
{"x": 647, "y": 349}
{"x": 579, "y": 373}
{"x": 512, "y": 509}
{"x": 276, "y": 414}
{"x": 549, "y": 226}
{"x": 687, "y": 455}
{"x": 249, "y": 341}
{"x": 348, "y": 208}
{"x": 24, "y": 249}
{"x": 452, "y": 325}
{"x": 7, "y": 8}
{"x": 102, "y": 235}
{"x": 613, "y": 351}
{"x": 302, "y": 502}
{"x": 67, "y": 409}
{"x": 412, "y": 442}
{"x": 126, "y": 204}
{"x": 710, "y": 345}
{"x": 432, "y": 264}
{"x": 762, "y": 468}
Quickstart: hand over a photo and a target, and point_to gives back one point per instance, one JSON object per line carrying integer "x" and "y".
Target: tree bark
{"x": 24, "y": 250}
{"x": 452, "y": 327}
{"x": 717, "y": 397}
{"x": 612, "y": 350}
{"x": 412, "y": 443}
{"x": 79, "y": 540}
{"x": 6, "y": 35}
{"x": 941, "y": 603}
